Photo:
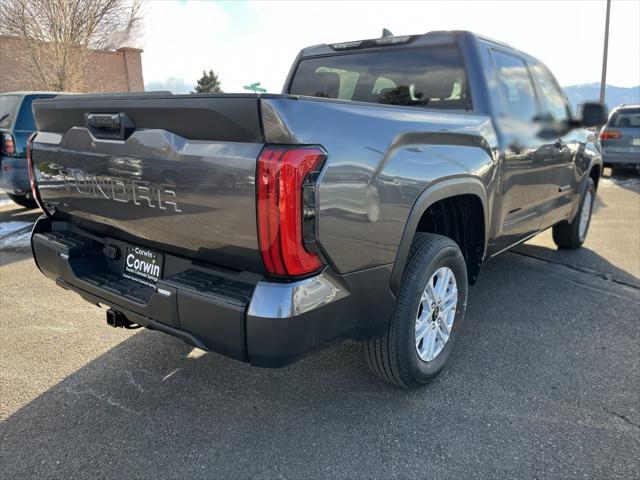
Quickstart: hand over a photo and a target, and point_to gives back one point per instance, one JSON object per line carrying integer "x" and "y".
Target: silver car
{"x": 620, "y": 137}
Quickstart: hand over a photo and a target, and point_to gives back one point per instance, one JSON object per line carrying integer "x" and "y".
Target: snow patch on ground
{"x": 7, "y": 228}
{"x": 621, "y": 182}
{"x": 15, "y": 235}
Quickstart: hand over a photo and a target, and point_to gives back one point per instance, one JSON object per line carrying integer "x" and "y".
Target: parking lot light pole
{"x": 603, "y": 81}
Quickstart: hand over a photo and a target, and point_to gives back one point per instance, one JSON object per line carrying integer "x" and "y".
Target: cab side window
{"x": 516, "y": 87}
{"x": 554, "y": 102}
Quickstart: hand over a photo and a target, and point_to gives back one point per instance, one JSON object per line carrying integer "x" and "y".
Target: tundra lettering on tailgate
{"x": 124, "y": 190}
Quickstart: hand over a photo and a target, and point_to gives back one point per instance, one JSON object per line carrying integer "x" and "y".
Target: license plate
{"x": 142, "y": 265}
{"x": 635, "y": 141}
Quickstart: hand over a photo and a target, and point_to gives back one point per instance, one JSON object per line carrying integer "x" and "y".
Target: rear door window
{"x": 432, "y": 77}
{"x": 516, "y": 87}
{"x": 553, "y": 99}
{"x": 8, "y": 109}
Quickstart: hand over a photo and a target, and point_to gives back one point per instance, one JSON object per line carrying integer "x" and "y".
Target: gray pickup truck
{"x": 358, "y": 204}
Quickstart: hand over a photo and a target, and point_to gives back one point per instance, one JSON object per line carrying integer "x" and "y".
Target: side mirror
{"x": 593, "y": 114}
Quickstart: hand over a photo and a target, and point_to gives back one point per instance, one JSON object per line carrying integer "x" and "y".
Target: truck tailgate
{"x": 175, "y": 173}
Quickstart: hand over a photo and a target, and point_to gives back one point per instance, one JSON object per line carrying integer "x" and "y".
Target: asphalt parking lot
{"x": 544, "y": 383}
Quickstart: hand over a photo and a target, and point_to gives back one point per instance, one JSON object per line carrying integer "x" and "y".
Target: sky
{"x": 256, "y": 41}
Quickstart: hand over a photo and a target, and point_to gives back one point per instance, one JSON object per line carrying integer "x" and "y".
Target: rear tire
{"x": 571, "y": 235}
{"x": 23, "y": 200}
{"x": 402, "y": 356}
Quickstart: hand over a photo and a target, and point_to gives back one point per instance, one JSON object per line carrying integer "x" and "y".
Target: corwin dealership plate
{"x": 143, "y": 265}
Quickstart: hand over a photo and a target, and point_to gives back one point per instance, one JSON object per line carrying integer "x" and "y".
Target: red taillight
{"x": 280, "y": 181}
{"x": 8, "y": 145}
{"x": 32, "y": 175}
{"x": 610, "y": 135}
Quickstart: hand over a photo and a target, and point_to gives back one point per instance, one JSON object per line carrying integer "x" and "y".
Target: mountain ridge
{"x": 613, "y": 96}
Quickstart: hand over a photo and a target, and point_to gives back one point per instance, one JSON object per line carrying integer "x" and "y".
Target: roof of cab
{"x": 435, "y": 37}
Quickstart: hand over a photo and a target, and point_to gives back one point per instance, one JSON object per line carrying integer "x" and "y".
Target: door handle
{"x": 559, "y": 144}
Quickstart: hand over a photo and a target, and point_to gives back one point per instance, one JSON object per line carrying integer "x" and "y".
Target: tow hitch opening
{"x": 117, "y": 319}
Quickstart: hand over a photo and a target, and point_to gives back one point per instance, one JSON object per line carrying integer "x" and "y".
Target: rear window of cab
{"x": 432, "y": 77}
{"x": 626, "y": 118}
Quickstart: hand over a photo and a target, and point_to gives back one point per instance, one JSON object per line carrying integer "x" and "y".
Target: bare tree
{"x": 57, "y": 35}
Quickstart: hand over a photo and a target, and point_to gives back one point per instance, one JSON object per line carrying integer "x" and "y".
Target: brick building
{"x": 109, "y": 70}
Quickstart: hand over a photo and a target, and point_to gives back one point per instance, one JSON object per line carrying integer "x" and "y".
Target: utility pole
{"x": 603, "y": 81}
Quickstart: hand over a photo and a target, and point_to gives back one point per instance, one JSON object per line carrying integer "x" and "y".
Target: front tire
{"x": 571, "y": 235}
{"x": 23, "y": 200}
{"x": 429, "y": 312}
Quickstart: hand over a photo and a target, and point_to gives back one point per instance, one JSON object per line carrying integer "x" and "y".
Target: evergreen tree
{"x": 208, "y": 83}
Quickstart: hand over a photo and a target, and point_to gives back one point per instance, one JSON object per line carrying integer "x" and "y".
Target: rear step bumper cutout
{"x": 238, "y": 315}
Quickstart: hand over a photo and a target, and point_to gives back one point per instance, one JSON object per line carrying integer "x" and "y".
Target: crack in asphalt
{"x": 588, "y": 271}
{"x": 107, "y": 397}
{"x": 621, "y": 417}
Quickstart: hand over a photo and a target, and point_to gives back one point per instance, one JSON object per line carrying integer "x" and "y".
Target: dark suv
{"x": 16, "y": 125}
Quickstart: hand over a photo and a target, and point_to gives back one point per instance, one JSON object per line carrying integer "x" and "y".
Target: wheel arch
{"x": 445, "y": 190}
{"x": 595, "y": 172}
{"x": 592, "y": 157}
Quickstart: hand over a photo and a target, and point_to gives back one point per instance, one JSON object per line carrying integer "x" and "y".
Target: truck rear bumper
{"x": 240, "y": 315}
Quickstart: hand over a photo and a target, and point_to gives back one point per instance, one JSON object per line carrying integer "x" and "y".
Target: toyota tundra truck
{"x": 358, "y": 204}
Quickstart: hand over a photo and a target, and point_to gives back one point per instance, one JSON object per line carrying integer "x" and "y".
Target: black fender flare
{"x": 595, "y": 161}
{"x": 434, "y": 193}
